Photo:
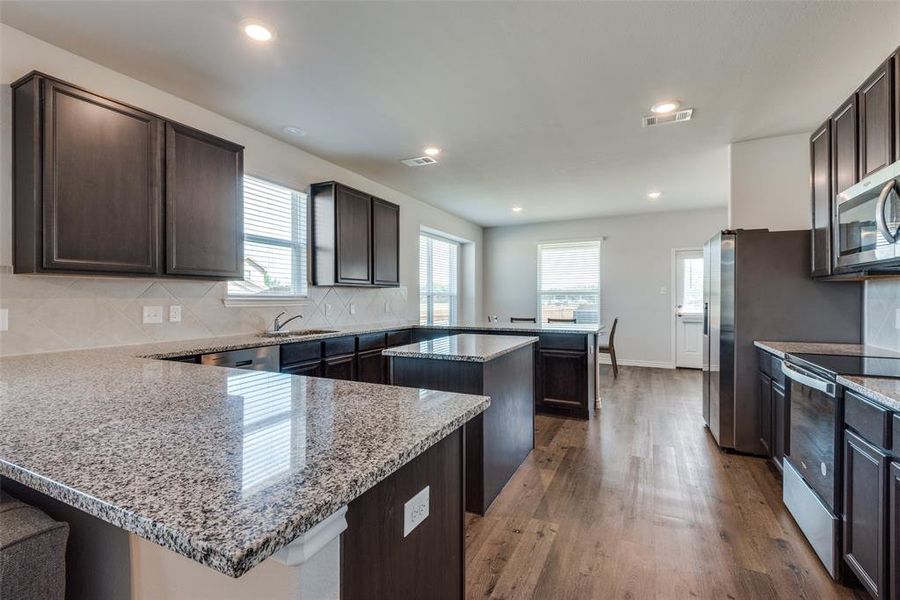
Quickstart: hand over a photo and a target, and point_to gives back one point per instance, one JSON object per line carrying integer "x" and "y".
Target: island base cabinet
{"x": 379, "y": 560}
{"x": 865, "y": 476}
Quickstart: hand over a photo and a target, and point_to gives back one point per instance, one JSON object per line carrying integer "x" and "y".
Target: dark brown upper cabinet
{"x": 94, "y": 181}
{"x": 204, "y": 204}
{"x": 355, "y": 237}
{"x": 820, "y": 165}
{"x": 86, "y": 181}
{"x": 844, "y": 164}
{"x": 385, "y": 243}
{"x": 897, "y": 104}
{"x": 876, "y": 120}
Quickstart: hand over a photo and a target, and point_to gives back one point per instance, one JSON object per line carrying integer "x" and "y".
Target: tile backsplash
{"x": 50, "y": 313}
{"x": 882, "y": 303}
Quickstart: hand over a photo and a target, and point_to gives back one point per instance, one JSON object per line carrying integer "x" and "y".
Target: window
{"x": 274, "y": 242}
{"x": 437, "y": 280}
{"x": 692, "y": 286}
{"x": 569, "y": 281}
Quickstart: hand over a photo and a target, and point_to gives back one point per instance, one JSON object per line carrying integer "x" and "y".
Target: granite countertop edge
{"x": 521, "y": 342}
{"x": 875, "y": 389}
{"x": 233, "y": 562}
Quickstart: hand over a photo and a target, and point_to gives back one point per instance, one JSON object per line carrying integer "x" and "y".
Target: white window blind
{"x": 569, "y": 281}
{"x": 438, "y": 273}
{"x": 275, "y": 242}
{"x": 692, "y": 300}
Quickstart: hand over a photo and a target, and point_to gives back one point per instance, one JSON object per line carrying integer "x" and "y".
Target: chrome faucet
{"x": 277, "y": 325}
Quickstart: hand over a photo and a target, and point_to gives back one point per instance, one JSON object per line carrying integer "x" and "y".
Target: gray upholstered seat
{"x": 32, "y": 552}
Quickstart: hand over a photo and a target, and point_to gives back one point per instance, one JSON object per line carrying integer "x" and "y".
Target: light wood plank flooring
{"x": 640, "y": 503}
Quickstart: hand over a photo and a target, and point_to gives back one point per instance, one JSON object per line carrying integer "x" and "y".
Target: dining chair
{"x": 610, "y": 348}
{"x": 522, "y": 320}
{"x": 560, "y": 320}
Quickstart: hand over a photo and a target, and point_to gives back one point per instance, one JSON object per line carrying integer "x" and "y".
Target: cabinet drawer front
{"x": 370, "y": 341}
{"x": 562, "y": 341}
{"x": 775, "y": 369}
{"x": 300, "y": 352}
{"x": 871, "y": 421}
{"x": 765, "y": 362}
{"x": 341, "y": 345}
{"x": 399, "y": 338}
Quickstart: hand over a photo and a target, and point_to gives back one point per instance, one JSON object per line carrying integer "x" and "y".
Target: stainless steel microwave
{"x": 867, "y": 223}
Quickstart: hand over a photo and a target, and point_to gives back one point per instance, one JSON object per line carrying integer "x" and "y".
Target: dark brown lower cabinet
{"x": 764, "y": 409}
{"x": 340, "y": 367}
{"x": 562, "y": 375}
{"x": 893, "y": 580}
{"x": 865, "y": 512}
{"x": 371, "y": 367}
{"x": 378, "y": 561}
{"x": 309, "y": 369}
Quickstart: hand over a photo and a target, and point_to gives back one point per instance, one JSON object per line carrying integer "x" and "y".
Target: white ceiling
{"x": 536, "y": 104}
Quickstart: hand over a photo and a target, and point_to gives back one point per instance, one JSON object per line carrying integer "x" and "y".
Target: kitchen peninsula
{"x": 499, "y": 366}
{"x": 230, "y": 469}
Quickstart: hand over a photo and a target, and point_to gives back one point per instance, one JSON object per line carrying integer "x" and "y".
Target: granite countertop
{"x": 181, "y": 348}
{"x": 883, "y": 390}
{"x": 220, "y": 465}
{"x": 466, "y": 347}
{"x": 780, "y": 349}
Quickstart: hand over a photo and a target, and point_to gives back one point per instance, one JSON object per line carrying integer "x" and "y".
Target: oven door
{"x": 867, "y": 218}
{"x": 814, "y": 430}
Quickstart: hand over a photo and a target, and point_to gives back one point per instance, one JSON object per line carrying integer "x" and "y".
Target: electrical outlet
{"x": 415, "y": 511}
{"x": 175, "y": 313}
{"x": 153, "y": 315}
{"x": 387, "y": 307}
{"x": 327, "y": 309}
{"x": 663, "y": 291}
{"x": 4, "y": 319}
{"x": 352, "y": 309}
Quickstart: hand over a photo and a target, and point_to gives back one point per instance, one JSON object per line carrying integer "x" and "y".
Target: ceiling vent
{"x": 675, "y": 117}
{"x": 418, "y": 162}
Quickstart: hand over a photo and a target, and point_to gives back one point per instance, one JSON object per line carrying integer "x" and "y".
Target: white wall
{"x": 48, "y": 312}
{"x": 635, "y": 264}
{"x": 770, "y": 184}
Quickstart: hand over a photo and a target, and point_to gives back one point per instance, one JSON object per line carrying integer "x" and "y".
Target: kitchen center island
{"x": 191, "y": 481}
{"x": 499, "y": 366}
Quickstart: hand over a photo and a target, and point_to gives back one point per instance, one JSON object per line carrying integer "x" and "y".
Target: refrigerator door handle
{"x": 706, "y": 318}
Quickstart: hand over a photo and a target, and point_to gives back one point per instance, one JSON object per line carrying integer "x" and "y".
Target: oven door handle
{"x": 804, "y": 377}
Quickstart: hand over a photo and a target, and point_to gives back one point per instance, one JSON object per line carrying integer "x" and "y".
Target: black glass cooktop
{"x": 836, "y": 364}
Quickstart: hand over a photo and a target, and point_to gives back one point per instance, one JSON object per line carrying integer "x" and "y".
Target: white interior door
{"x": 689, "y": 309}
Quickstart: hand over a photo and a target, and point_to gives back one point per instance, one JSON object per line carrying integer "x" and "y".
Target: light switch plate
{"x": 327, "y": 309}
{"x": 153, "y": 315}
{"x": 415, "y": 511}
{"x": 4, "y": 319}
{"x": 387, "y": 307}
{"x": 663, "y": 291}
{"x": 352, "y": 309}
{"x": 175, "y": 313}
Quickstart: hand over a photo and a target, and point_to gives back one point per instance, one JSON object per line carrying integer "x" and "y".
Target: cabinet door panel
{"x": 204, "y": 204}
{"x": 564, "y": 378}
{"x": 820, "y": 163}
{"x": 340, "y": 367}
{"x": 894, "y": 531}
{"x": 371, "y": 367}
{"x": 876, "y": 132}
{"x": 764, "y": 397}
{"x": 309, "y": 369}
{"x": 102, "y": 184}
{"x": 865, "y": 475}
{"x": 385, "y": 242}
{"x": 844, "y": 166}
{"x": 354, "y": 219}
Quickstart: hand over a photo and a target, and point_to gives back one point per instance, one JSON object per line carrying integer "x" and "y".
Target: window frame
{"x": 299, "y": 255}
{"x": 598, "y": 242}
{"x": 453, "y": 298}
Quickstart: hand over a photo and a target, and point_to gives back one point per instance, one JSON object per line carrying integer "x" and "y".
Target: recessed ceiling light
{"x": 517, "y": 209}
{"x": 257, "y": 31}
{"x": 295, "y": 131}
{"x": 432, "y": 151}
{"x": 654, "y": 195}
{"x": 667, "y": 106}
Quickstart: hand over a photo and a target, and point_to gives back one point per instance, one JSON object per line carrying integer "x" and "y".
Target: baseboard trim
{"x": 653, "y": 364}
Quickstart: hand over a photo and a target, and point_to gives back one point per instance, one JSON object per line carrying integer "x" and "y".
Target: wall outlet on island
{"x": 175, "y": 313}
{"x": 415, "y": 511}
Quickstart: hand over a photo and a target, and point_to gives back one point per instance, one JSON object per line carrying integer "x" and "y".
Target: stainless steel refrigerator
{"x": 757, "y": 286}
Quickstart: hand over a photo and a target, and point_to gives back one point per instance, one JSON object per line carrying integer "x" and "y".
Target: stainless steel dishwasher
{"x": 266, "y": 358}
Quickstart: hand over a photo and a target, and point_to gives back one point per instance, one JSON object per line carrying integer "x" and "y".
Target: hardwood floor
{"x": 639, "y": 503}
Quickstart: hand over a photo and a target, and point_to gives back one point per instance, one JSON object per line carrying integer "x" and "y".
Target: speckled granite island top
{"x": 220, "y": 465}
{"x": 465, "y": 347}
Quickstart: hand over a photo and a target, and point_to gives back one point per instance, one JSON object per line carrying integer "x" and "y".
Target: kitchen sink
{"x": 297, "y": 333}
